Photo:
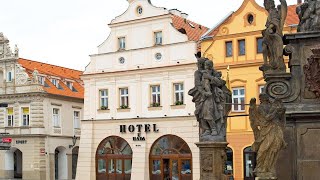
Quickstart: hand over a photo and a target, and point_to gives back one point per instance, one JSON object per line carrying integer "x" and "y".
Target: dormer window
{"x": 158, "y": 38}
{"x": 55, "y": 82}
{"x": 122, "y": 43}
{"x": 41, "y": 80}
{"x": 69, "y": 84}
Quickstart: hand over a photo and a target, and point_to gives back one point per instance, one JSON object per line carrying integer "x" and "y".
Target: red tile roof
{"x": 292, "y": 19}
{"x": 193, "y": 30}
{"x": 58, "y": 72}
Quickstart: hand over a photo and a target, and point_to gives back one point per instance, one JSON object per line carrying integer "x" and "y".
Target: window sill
{"x": 182, "y": 106}
{"x": 123, "y": 110}
{"x": 9, "y": 127}
{"x": 24, "y": 127}
{"x": 155, "y": 108}
{"x": 56, "y": 127}
{"x": 238, "y": 112}
{"x": 104, "y": 110}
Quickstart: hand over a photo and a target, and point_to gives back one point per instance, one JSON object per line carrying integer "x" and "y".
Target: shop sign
{"x": 21, "y": 141}
{"x": 139, "y": 128}
{"x": 4, "y": 145}
{"x": 6, "y": 140}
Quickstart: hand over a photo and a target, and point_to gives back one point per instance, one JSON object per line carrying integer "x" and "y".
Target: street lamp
{"x": 74, "y": 141}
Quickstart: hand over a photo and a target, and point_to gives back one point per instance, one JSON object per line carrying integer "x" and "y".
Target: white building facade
{"x": 40, "y": 114}
{"x": 138, "y": 118}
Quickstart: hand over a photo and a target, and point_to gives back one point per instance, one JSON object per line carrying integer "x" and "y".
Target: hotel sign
{"x": 139, "y": 128}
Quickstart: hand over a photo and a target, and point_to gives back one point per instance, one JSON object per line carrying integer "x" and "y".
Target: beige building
{"x": 44, "y": 108}
{"x": 138, "y": 119}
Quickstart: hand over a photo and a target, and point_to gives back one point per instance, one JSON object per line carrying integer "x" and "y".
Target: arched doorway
{"x": 61, "y": 164}
{"x": 249, "y": 163}
{"x": 170, "y": 159}
{"x": 229, "y": 163}
{"x": 114, "y": 159}
{"x": 13, "y": 162}
{"x": 17, "y": 156}
{"x": 75, "y": 152}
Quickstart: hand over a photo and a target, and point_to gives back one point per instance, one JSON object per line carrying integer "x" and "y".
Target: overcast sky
{"x": 66, "y": 32}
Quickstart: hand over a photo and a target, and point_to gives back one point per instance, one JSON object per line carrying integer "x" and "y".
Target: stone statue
{"x": 16, "y": 51}
{"x": 309, "y": 13}
{"x": 267, "y": 122}
{"x": 272, "y": 37}
{"x": 210, "y": 97}
{"x": 312, "y": 72}
{"x": 35, "y": 74}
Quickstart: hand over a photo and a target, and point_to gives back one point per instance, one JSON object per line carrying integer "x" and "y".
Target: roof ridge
{"x": 189, "y": 20}
{"x": 51, "y": 64}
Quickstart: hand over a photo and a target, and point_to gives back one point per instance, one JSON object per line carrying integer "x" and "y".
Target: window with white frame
{"x": 25, "y": 116}
{"x": 261, "y": 89}
{"x": 56, "y": 117}
{"x": 178, "y": 94}
{"x": 76, "y": 119}
{"x": 9, "y": 76}
{"x": 104, "y": 99}
{"x": 238, "y": 98}
{"x": 9, "y": 117}
{"x": 69, "y": 84}
{"x": 41, "y": 80}
{"x": 55, "y": 82}
{"x": 155, "y": 95}
{"x": 124, "y": 98}
{"x": 158, "y": 38}
{"x": 122, "y": 43}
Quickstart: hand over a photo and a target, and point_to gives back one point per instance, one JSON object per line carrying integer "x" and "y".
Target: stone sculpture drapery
{"x": 210, "y": 96}
{"x": 267, "y": 122}
{"x": 272, "y": 37}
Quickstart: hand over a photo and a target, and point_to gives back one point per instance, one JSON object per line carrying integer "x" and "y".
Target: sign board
{"x": 5, "y": 146}
{"x": 6, "y": 140}
{"x": 21, "y": 141}
{"x": 147, "y": 128}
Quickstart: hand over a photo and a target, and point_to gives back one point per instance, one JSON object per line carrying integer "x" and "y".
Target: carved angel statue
{"x": 267, "y": 122}
{"x": 272, "y": 37}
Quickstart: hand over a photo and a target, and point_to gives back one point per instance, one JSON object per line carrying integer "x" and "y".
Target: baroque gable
{"x": 22, "y": 77}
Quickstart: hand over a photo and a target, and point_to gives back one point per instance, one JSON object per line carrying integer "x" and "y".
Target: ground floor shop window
{"x": 249, "y": 159}
{"x": 229, "y": 164}
{"x": 114, "y": 159}
{"x": 170, "y": 159}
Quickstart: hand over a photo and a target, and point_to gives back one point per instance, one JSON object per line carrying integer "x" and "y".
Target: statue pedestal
{"x": 212, "y": 160}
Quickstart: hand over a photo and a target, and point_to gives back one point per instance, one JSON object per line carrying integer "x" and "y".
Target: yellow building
{"x": 237, "y": 42}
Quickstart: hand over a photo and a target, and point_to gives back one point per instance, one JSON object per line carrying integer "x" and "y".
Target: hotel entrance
{"x": 170, "y": 159}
